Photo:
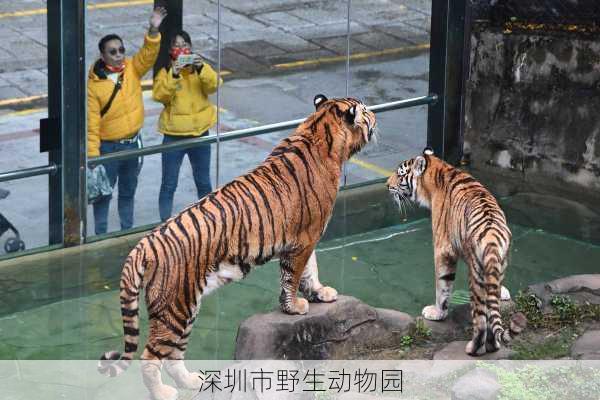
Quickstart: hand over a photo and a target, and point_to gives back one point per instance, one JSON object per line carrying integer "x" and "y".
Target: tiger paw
{"x": 182, "y": 377}
{"x": 432, "y": 313}
{"x": 504, "y": 294}
{"x": 193, "y": 381}
{"x": 472, "y": 351}
{"x": 327, "y": 294}
{"x": 163, "y": 392}
{"x": 300, "y": 306}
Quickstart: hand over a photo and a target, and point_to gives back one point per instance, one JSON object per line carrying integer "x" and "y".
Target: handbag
{"x": 98, "y": 185}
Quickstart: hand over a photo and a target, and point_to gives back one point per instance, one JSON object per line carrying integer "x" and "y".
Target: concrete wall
{"x": 533, "y": 95}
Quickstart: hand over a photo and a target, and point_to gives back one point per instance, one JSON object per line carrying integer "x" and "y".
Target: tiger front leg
{"x": 292, "y": 266}
{"x": 310, "y": 286}
{"x": 445, "y": 273}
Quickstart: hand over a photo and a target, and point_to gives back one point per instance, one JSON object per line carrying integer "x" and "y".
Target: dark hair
{"x": 106, "y": 39}
{"x": 184, "y": 35}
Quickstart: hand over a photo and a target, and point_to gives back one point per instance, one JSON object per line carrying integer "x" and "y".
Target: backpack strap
{"x": 112, "y": 96}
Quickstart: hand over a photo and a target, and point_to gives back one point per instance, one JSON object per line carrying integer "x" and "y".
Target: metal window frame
{"x": 66, "y": 106}
{"x": 448, "y": 69}
{"x": 66, "y": 103}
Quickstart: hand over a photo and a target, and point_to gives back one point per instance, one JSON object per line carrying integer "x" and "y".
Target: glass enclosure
{"x": 24, "y": 217}
{"x": 273, "y": 57}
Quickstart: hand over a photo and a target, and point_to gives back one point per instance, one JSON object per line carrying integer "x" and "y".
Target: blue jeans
{"x": 171, "y": 163}
{"x": 126, "y": 171}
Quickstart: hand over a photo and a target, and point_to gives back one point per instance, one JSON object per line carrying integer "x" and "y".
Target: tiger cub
{"x": 466, "y": 222}
{"x": 279, "y": 209}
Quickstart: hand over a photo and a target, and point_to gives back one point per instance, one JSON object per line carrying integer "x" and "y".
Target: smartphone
{"x": 186, "y": 59}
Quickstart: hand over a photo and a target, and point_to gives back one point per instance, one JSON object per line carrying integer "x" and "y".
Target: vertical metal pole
{"x": 219, "y": 100}
{"x": 73, "y": 121}
{"x": 55, "y": 207}
{"x": 66, "y": 103}
{"x": 447, "y": 78}
{"x": 173, "y": 23}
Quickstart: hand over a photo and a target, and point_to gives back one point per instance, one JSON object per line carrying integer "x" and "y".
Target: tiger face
{"x": 358, "y": 124}
{"x": 404, "y": 184}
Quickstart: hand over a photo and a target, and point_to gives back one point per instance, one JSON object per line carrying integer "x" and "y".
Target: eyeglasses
{"x": 113, "y": 52}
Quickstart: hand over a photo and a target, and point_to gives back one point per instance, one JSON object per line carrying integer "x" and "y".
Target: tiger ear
{"x": 419, "y": 165}
{"x": 319, "y": 99}
{"x": 351, "y": 115}
{"x": 427, "y": 151}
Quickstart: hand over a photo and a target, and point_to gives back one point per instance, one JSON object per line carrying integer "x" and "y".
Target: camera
{"x": 186, "y": 59}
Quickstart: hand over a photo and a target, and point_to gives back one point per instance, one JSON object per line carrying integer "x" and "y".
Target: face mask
{"x": 177, "y": 51}
{"x": 117, "y": 69}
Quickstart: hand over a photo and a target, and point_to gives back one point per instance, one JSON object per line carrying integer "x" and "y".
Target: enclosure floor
{"x": 391, "y": 268}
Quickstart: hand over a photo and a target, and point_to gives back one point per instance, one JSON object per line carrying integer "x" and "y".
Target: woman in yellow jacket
{"x": 183, "y": 90}
{"x": 116, "y": 114}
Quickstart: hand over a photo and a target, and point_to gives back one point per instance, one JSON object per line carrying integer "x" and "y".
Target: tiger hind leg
{"x": 162, "y": 341}
{"x": 176, "y": 368}
{"x": 310, "y": 286}
{"x": 445, "y": 274}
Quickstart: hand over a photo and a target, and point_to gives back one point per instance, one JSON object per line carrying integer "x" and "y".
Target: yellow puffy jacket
{"x": 126, "y": 114}
{"x": 187, "y": 112}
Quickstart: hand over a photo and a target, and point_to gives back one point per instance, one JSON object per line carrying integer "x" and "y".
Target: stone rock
{"x": 459, "y": 318}
{"x": 580, "y": 288}
{"x": 329, "y": 331}
{"x": 441, "y": 369}
{"x": 587, "y": 347}
{"x": 478, "y": 384}
{"x": 359, "y": 396}
{"x": 456, "y": 351}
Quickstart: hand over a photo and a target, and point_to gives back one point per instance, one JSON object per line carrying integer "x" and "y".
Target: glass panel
{"x": 23, "y": 102}
{"x": 389, "y": 62}
{"x": 200, "y": 23}
{"x": 277, "y": 65}
{"x": 23, "y": 214}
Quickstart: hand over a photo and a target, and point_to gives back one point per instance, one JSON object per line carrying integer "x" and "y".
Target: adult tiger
{"x": 466, "y": 222}
{"x": 280, "y": 208}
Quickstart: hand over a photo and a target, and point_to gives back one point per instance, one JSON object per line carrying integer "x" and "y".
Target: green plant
{"x": 406, "y": 341}
{"x": 530, "y": 305}
{"x": 532, "y": 382}
{"x": 553, "y": 347}
{"x": 421, "y": 331}
{"x": 565, "y": 309}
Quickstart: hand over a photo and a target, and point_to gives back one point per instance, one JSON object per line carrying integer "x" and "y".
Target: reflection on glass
{"x": 183, "y": 88}
{"x": 115, "y": 116}
{"x": 23, "y": 102}
{"x": 23, "y": 214}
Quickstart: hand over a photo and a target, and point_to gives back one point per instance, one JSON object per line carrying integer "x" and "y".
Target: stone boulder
{"x": 455, "y": 325}
{"x": 587, "y": 347}
{"x": 580, "y": 288}
{"x": 335, "y": 330}
{"x": 478, "y": 384}
{"x": 456, "y": 351}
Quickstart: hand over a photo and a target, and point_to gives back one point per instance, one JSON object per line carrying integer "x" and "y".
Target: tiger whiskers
{"x": 375, "y": 135}
{"x": 403, "y": 202}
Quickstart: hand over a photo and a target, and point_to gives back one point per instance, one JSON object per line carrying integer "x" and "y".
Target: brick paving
{"x": 255, "y": 35}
